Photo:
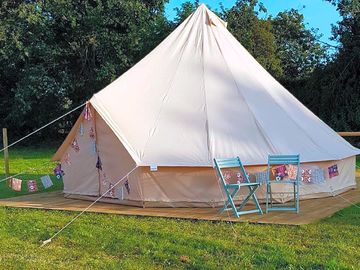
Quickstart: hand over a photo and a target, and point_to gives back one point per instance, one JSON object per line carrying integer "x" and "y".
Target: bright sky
{"x": 317, "y": 13}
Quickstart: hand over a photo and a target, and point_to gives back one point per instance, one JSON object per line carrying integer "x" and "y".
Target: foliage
{"x": 254, "y": 33}
{"x": 56, "y": 54}
{"x": 185, "y": 11}
{"x": 299, "y": 51}
{"x": 333, "y": 91}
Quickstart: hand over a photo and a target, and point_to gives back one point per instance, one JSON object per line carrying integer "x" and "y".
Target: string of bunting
{"x": 15, "y": 183}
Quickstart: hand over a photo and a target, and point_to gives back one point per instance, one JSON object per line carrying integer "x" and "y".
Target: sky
{"x": 317, "y": 13}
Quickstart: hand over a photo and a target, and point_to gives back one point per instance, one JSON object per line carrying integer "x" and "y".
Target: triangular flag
{"x": 127, "y": 186}
{"x": 99, "y": 164}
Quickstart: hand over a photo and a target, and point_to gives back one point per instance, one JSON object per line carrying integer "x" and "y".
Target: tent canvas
{"x": 199, "y": 95}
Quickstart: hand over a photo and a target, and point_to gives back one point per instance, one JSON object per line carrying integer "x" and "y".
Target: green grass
{"x": 102, "y": 241}
{"x": 36, "y": 163}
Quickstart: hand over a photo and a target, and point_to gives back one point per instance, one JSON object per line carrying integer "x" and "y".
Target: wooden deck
{"x": 310, "y": 210}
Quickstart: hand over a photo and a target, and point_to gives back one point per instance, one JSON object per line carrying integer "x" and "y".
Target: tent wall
{"x": 116, "y": 163}
{"x": 199, "y": 186}
{"x": 81, "y": 176}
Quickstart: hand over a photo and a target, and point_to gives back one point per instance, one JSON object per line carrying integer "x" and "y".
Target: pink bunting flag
{"x": 66, "y": 159}
{"x": 87, "y": 112}
{"x": 292, "y": 171}
{"x": 15, "y": 184}
{"x": 75, "y": 145}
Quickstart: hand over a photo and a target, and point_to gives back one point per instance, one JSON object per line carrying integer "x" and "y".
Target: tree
{"x": 298, "y": 47}
{"x": 338, "y": 82}
{"x": 56, "y": 54}
{"x": 254, "y": 33}
{"x": 184, "y": 11}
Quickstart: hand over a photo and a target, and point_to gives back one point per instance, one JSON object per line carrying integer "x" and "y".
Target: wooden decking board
{"x": 310, "y": 210}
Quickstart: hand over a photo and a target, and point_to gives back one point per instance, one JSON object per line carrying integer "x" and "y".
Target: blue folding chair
{"x": 232, "y": 189}
{"x": 274, "y": 160}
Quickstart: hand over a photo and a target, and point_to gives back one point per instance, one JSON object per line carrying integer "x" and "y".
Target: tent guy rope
{"x": 45, "y": 242}
{"x": 41, "y": 128}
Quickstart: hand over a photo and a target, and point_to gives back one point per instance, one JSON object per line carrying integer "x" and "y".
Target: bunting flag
{"x": 66, "y": 159}
{"x": 46, "y": 181}
{"x": 112, "y": 190}
{"x": 120, "y": 193}
{"x": 59, "y": 173}
{"x": 333, "y": 171}
{"x": 279, "y": 172}
{"x": 87, "y": 112}
{"x": 261, "y": 177}
{"x": 127, "y": 186}
{"x": 318, "y": 176}
{"x": 306, "y": 176}
{"x": 92, "y": 133}
{"x": 15, "y": 184}
{"x": 292, "y": 171}
{"x": 32, "y": 186}
{"x": 81, "y": 130}
{"x": 227, "y": 176}
{"x": 94, "y": 147}
{"x": 75, "y": 145}
{"x": 99, "y": 164}
{"x": 104, "y": 180}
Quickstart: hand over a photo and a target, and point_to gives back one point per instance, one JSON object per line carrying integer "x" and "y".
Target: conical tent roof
{"x": 200, "y": 95}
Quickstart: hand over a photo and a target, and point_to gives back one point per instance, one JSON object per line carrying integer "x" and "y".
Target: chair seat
{"x": 283, "y": 182}
{"x": 241, "y": 185}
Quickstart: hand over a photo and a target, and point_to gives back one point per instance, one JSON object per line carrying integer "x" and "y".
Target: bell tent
{"x": 199, "y": 95}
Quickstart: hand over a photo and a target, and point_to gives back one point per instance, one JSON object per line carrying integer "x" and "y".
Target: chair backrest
{"x": 222, "y": 163}
{"x": 283, "y": 160}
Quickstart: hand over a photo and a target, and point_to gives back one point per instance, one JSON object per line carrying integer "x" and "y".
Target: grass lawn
{"x": 35, "y": 163}
{"x": 101, "y": 241}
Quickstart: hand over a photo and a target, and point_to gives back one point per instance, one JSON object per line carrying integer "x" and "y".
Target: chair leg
{"x": 297, "y": 198}
{"x": 267, "y": 198}
{"x": 256, "y": 201}
{"x": 253, "y": 196}
{"x": 230, "y": 201}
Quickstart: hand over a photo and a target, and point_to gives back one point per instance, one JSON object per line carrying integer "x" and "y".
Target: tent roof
{"x": 200, "y": 95}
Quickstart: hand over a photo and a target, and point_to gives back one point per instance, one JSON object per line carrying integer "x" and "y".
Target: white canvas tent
{"x": 197, "y": 96}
